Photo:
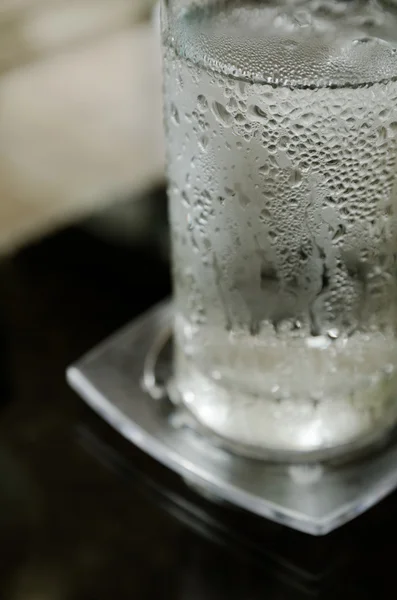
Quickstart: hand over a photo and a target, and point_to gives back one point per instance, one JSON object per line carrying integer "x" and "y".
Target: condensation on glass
{"x": 281, "y": 123}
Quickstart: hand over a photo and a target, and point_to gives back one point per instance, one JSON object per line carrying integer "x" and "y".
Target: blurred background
{"x": 80, "y": 117}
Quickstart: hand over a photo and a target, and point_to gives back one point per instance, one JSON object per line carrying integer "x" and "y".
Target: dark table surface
{"x": 85, "y": 515}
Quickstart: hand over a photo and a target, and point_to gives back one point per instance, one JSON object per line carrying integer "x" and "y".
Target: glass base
{"x": 294, "y": 442}
{"x": 315, "y": 498}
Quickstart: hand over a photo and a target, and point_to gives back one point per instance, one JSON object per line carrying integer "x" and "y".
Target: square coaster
{"x": 311, "y": 498}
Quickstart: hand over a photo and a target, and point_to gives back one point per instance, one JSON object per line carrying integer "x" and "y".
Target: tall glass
{"x": 281, "y": 122}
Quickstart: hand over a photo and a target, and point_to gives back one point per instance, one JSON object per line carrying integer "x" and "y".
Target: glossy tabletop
{"x": 86, "y": 516}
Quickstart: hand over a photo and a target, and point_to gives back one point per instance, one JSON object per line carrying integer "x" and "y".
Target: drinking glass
{"x": 281, "y": 125}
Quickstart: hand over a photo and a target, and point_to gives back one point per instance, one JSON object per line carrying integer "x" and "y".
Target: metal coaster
{"x": 114, "y": 378}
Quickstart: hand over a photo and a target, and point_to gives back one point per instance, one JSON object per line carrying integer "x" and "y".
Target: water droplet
{"x": 241, "y": 88}
{"x": 283, "y": 160}
{"x": 202, "y": 103}
{"x": 283, "y": 142}
{"x": 307, "y": 118}
{"x": 256, "y": 113}
{"x": 265, "y": 215}
{"x": 244, "y": 200}
{"x": 207, "y": 243}
{"x": 382, "y": 134}
{"x": 203, "y": 142}
{"x": 393, "y": 127}
{"x": 339, "y": 233}
{"x": 264, "y": 169}
{"x": 289, "y": 44}
{"x": 221, "y": 114}
{"x": 384, "y": 113}
{"x": 296, "y": 178}
{"x": 174, "y": 114}
{"x": 196, "y": 249}
{"x": 232, "y": 104}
